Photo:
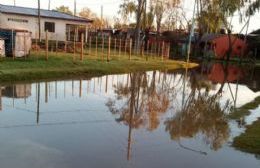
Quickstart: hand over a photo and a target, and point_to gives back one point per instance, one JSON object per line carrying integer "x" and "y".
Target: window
{"x": 50, "y": 26}
{"x": 73, "y": 32}
{"x": 17, "y": 20}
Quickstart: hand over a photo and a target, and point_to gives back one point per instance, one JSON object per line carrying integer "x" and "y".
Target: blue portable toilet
{"x": 9, "y": 36}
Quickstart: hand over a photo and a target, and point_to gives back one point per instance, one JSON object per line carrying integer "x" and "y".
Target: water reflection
{"x": 186, "y": 106}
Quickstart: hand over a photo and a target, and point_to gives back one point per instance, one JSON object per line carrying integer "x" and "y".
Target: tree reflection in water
{"x": 145, "y": 100}
{"x": 202, "y": 114}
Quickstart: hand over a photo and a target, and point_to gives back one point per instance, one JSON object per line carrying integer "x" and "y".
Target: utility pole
{"x": 145, "y": 8}
{"x": 39, "y": 19}
{"x": 75, "y": 7}
{"x": 191, "y": 31}
{"x": 101, "y": 17}
{"x": 14, "y": 3}
{"x": 49, "y": 5}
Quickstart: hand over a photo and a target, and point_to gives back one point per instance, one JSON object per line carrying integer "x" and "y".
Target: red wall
{"x": 222, "y": 45}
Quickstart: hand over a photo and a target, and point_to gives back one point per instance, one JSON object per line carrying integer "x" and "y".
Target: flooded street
{"x": 146, "y": 119}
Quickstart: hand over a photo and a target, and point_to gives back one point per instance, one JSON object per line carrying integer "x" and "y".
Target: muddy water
{"x": 146, "y": 119}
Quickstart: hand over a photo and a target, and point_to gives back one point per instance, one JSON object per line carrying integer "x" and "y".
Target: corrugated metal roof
{"x": 210, "y": 37}
{"x": 44, "y": 13}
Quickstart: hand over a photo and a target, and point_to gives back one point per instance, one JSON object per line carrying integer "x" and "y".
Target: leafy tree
{"x": 97, "y": 23}
{"x": 64, "y": 9}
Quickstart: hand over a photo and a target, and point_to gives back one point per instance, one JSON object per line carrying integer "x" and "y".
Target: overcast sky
{"x": 111, "y": 8}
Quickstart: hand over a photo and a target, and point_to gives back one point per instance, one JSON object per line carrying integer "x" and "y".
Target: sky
{"x": 111, "y": 8}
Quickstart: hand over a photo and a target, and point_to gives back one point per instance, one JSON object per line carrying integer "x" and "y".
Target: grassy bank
{"x": 250, "y": 140}
{"x": 245, "y": 109}
{"x": 62, "y": 66}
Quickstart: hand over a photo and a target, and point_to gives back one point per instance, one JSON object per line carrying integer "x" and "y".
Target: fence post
{"x": 96, "y": 47}
{"x": 120, "y": 46}
{"x": 103, "y": 41}
{"x": 125, "y": 45}
{"x": 109, "y": 45}
{"x": 90, "y": 41}
{"x": 158, "y": 48}
{"x": 169, "y": 50}
{"x": 115, "y": 46}
{"x": 82, "y": 46}
{"x": 57, "y": 45}
{"x": 130, "y": 49}
{"x": 142, "y": 52}
{"x": 47, "y": 46}
{"x": 24, "y": 43}
{"x": 13, "y": 48}
{"x": 147, "y": 50}
{"x": 65, "y": 47}
{"x": 163, "y": 49}
{"x": 74, "y": 45}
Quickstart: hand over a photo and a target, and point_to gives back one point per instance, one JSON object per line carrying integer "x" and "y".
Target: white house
{"x": 61, "y": 26}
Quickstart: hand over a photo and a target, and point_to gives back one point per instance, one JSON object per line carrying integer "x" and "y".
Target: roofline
{"x": 75, "y": 20}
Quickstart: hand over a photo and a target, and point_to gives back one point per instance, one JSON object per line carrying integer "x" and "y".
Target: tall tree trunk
{"x": 138, "y": 23}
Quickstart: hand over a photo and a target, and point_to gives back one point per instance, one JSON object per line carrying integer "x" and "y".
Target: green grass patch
{"x": 245, "y": 109}
{"x": 250, "y": 140}
{"x": 63, "y": 66}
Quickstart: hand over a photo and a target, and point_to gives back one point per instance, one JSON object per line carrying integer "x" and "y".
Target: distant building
{"x": 217, "y": 45}
{"x": 61, "y": 26}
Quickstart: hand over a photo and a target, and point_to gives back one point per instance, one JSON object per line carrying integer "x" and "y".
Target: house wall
{"x": 32, "y": 25}
{"x": 222, "y": 46}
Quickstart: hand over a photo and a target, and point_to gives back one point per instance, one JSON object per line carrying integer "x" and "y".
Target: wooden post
{"x": 90, "y": 41}
{"x": 152, "y": 46}
{"x": 142, "y": 51}
{"x": 103, "y": 41}
{"x": 115, "y": 46}
{"x": 169, "y": 50}
{"x": 109, "y": 45}
{"x": 147, "y": 50}
{"x": 57, "y": 45}
{"x": 46, "y": 46}
{"x": 130, "y": 49}
{"x": 120, "y": 47}
{"x": 13, "y": 48}
{"x": 125, "y": 46}
{"x": 36, "y": 41}
{"x": 158, "y": 48}
{"x": 24, "y": 43}
{"x": 162, "y": 50}
{"x": 74, "y": 45}
{"x": 82, "y": 46}
{"x": 96, "y": 46}
{"x": 65, "y": 48}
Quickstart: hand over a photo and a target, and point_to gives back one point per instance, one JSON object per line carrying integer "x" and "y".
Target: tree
{"x": 253, "y": 7}
{"x": 162, "y": 8}
{"x": 87, "y": 13}
{"x": 97, "y": 23}
{"x": 127, "y": 9}
{"x": 64, "y": 9}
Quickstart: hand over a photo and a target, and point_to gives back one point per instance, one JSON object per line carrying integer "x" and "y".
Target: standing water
{"x": 146, "y": 119}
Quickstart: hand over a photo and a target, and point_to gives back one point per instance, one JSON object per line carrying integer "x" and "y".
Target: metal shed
{"x": 17, "y": 42}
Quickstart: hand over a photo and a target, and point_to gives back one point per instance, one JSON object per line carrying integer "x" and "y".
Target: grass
{"x": 250, "y": 140}
{"x": 245, "y": 109}
{"x": 62, "y": 66}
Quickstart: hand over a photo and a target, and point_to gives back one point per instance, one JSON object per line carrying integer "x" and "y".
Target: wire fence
{"x": 104, "y": 48}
